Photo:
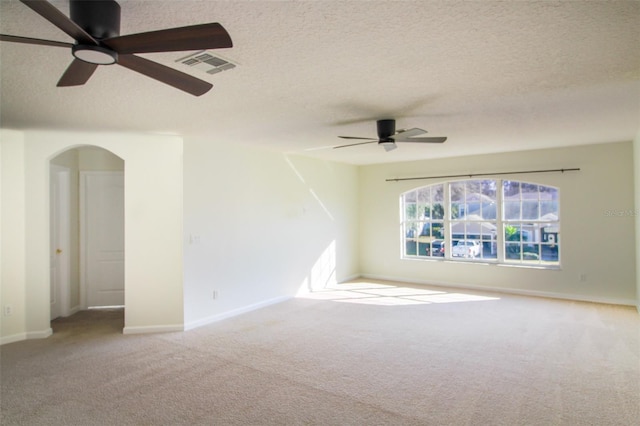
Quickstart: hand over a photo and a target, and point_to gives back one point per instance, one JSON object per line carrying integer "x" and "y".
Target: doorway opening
{"x": 87, "y": 231}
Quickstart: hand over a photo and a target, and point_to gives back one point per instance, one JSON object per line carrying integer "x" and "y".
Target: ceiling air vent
{"x": 206, "y": 62}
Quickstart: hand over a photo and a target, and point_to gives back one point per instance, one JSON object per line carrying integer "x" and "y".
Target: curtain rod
{"x": 470, "y": 175}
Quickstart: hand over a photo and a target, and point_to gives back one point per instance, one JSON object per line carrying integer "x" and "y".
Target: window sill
{"x": 484, "y": 262}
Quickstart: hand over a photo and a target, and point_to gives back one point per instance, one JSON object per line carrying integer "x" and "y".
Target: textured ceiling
{"x": 493, "y": 76}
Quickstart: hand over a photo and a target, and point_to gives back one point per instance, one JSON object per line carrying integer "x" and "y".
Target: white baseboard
{"x": 145, "y": 329}
{"x": 18, "y": 337}
{"x": 235, "y": 312}
{"x": 521, "y": 292}
{"x": 13, "y": 338}
{"x": 351, "y": 278}
{"x": 43, "y": 334}
{"x": 74, "y": 310}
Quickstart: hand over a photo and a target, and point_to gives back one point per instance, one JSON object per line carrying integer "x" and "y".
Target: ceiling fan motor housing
{"x": 386, "y": 129}
{"x": 99, "y": 18}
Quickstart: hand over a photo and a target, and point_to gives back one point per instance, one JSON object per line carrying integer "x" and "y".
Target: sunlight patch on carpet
{"x": 390, "y": 295}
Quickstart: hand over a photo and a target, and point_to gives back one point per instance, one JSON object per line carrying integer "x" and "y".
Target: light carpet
{"x": 362, "y": 353}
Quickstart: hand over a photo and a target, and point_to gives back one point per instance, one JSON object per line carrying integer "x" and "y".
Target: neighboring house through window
{"x": 489, "y": 220}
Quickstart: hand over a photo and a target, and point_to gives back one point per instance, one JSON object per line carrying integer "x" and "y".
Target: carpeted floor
{"x": 364, "y": 353}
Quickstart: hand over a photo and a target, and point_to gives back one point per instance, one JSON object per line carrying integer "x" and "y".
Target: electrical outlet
{"x": 215, "y": 294}
{"x": 7, "y": 310}
{"x": 583, "y": 278}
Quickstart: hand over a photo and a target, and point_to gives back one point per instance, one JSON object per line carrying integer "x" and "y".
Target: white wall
{"x": 636, "y": 163}
{"x": 263, "y": 226}
{"x": 12, "y": 236}
{"x": 153, "y": 227}
{"x": 260, "y": 225}
{"x": 593, "y": 242}
{"x": 97, "y": 159}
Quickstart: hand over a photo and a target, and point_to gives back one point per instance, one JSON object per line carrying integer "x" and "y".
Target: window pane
{"x": 512, "y": 210}
{"x": 411, "y": 248}
{"x": 457, "y": 191}
{"x": 512, "y": 233}
{"x": 437, "y": 248}
{"x": 423, "y": 248}
{"x": 549, "y": 210}
{"x": 473, "y": 187}
{"x": 437, "y": 230}
{"x": 424, "y": 196}
{"x": 531, "y": 252}
{"x": 511, "y": 190}
{"x": 457, "y": 230}
{"x": 424, "y": 203}
{"x": 410, "y": 211}
{"x": 487, "y": 239}
{"x": 486, "y": 197}
{"x": 410, "y": 230}
{"x": 410, "y": 197}
{"x": 549, "y": 253}
{"x": 551, "y": 242}
{"x": 425, "y": 229}
{"x": 489, "y": 210}
{"x": 529, "y": 191}
{"x": 437, "y": 211}
{"x": 457, "y": 210}
{"x": 473, "y": 211}
{"x": 426, "y": 212}
{"x": 550, "y": 233}
{"x": 530, "y": 209}
{"x": 437, "y": 193}
{"x": 489, "y": 189}
{"x": 548, "y": 193}
{"x": 466, "y": 248}
{"x": 512, "y": 251}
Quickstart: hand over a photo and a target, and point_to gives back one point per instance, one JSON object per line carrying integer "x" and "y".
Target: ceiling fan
{"x": 95, "y": 26}
{"x": 388, "y": 136}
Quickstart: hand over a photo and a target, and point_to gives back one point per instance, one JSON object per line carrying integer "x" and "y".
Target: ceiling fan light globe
{"x": 389, "y": 146}
{"x": 97, "y": 55}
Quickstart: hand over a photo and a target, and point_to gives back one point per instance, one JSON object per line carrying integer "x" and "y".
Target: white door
{"x": 59, "y": 181}
{"x": 102, "y": 235}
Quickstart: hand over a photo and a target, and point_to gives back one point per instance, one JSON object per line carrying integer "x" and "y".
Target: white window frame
{"x": 500, "y": 222}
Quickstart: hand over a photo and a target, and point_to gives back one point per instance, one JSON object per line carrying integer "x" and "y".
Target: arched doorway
{"x": 86, "y": 230}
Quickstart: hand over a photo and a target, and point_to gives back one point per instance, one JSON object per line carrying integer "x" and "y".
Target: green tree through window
{"x": 503, "y": 221}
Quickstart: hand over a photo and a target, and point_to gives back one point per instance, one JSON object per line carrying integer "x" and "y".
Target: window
{"x": 530, "y": 222}
{"x": 490, "y": 220}
{"x": 424, "y": 213}
{"x": 473, "y": 219}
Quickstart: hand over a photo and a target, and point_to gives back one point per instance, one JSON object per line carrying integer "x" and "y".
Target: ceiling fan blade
{"x": 60, "y": 20}
{"x": 166, "y": 75}
{"x": 435, "y": 139}
{"x": 408, "y": 133}
{"x": 28, "y": 40}
{"x": 354, "y": 144}
{"x": 195, "y": 37}
{"x": 355, "y": 137}
{"x": 77, "y": 73}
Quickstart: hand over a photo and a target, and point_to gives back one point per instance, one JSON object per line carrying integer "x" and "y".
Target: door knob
{"x": 58, "y": 251}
